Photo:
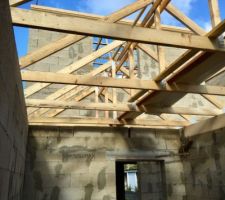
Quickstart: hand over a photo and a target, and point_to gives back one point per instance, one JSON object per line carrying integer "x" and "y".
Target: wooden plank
{"x": 17, "y": 2}
{"x": 49, "y": 77}
{"x": 75, "y": 66}
{"x": 103, "y": 121}
{"x": 40, "y": 103}
{"x": 214, "y": 12}
{"x": 99, "y": 17}
{"x": 205, "y": 126}
{"x": 184, "y": 19}
{"x": 49, "y": 21}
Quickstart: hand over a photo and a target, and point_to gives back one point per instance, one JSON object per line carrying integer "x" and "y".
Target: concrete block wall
{"x": 13, "y": 123}
{"x": 204, "y": 169}
{"x": 59, "y": 60}
{"x": 149, "y": 68}
{"x": 79, "y": 163}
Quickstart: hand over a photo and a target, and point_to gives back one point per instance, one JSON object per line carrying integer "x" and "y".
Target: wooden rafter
{"x": 184, "y": 19}
{"x": 17, "y": 2}
{"x": 204, "y": 126}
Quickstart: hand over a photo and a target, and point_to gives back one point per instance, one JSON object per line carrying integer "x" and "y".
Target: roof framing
{"x": 204, "y": 58}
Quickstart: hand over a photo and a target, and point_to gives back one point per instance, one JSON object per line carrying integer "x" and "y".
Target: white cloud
{"x": 105, "y": 7}
{"x": 207, "y": 26}
{"x": 185, "y": 5}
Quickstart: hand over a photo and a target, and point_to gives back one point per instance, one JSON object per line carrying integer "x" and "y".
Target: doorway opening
{"x": 140, "y": 180}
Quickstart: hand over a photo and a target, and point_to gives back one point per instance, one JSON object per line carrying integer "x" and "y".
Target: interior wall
{"x": 204, "y": 168}
{"x": 13, "y": 123}
{"x": 79, "y": 163}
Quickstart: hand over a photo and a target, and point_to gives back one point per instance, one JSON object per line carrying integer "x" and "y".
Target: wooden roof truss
{"x": 203, "y": 59}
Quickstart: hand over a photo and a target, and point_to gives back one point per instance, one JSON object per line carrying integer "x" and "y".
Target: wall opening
{"x": 140, "y": 180}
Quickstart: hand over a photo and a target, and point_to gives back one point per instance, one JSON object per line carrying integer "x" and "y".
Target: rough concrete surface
{"x": 79, "y": 163}
{"x": 13, "y": 123}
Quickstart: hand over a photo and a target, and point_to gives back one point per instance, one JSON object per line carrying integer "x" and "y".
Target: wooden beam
{"x": 75, "y": 66}
{"x": 49, "y": 77}
{"x": 17, "y": 2}
{"x": 184, "y": 19}
{"x": 103, "y": 121}
{"x": 99, "y": 17}
{"x": 49, "y": 21}
{"x": 122, "y": 107}
{"x": 214, "y": 12}
{"x": 205, "y": 126}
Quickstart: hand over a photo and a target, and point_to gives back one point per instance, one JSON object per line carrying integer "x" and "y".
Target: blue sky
{"x": 195, "y": 9}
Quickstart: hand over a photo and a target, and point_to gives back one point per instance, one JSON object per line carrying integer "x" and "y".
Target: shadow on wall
{"x": 205, "y": 167}
{"x": 70, "y": 164}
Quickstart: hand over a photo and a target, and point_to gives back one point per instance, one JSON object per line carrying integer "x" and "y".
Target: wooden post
{"x": 96, "y": 101}
{"x": 114, "y": 89}
{"x": 214, "y": 12}
{"x": 131, "y": 65}
{"x": 160, "y": 49}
